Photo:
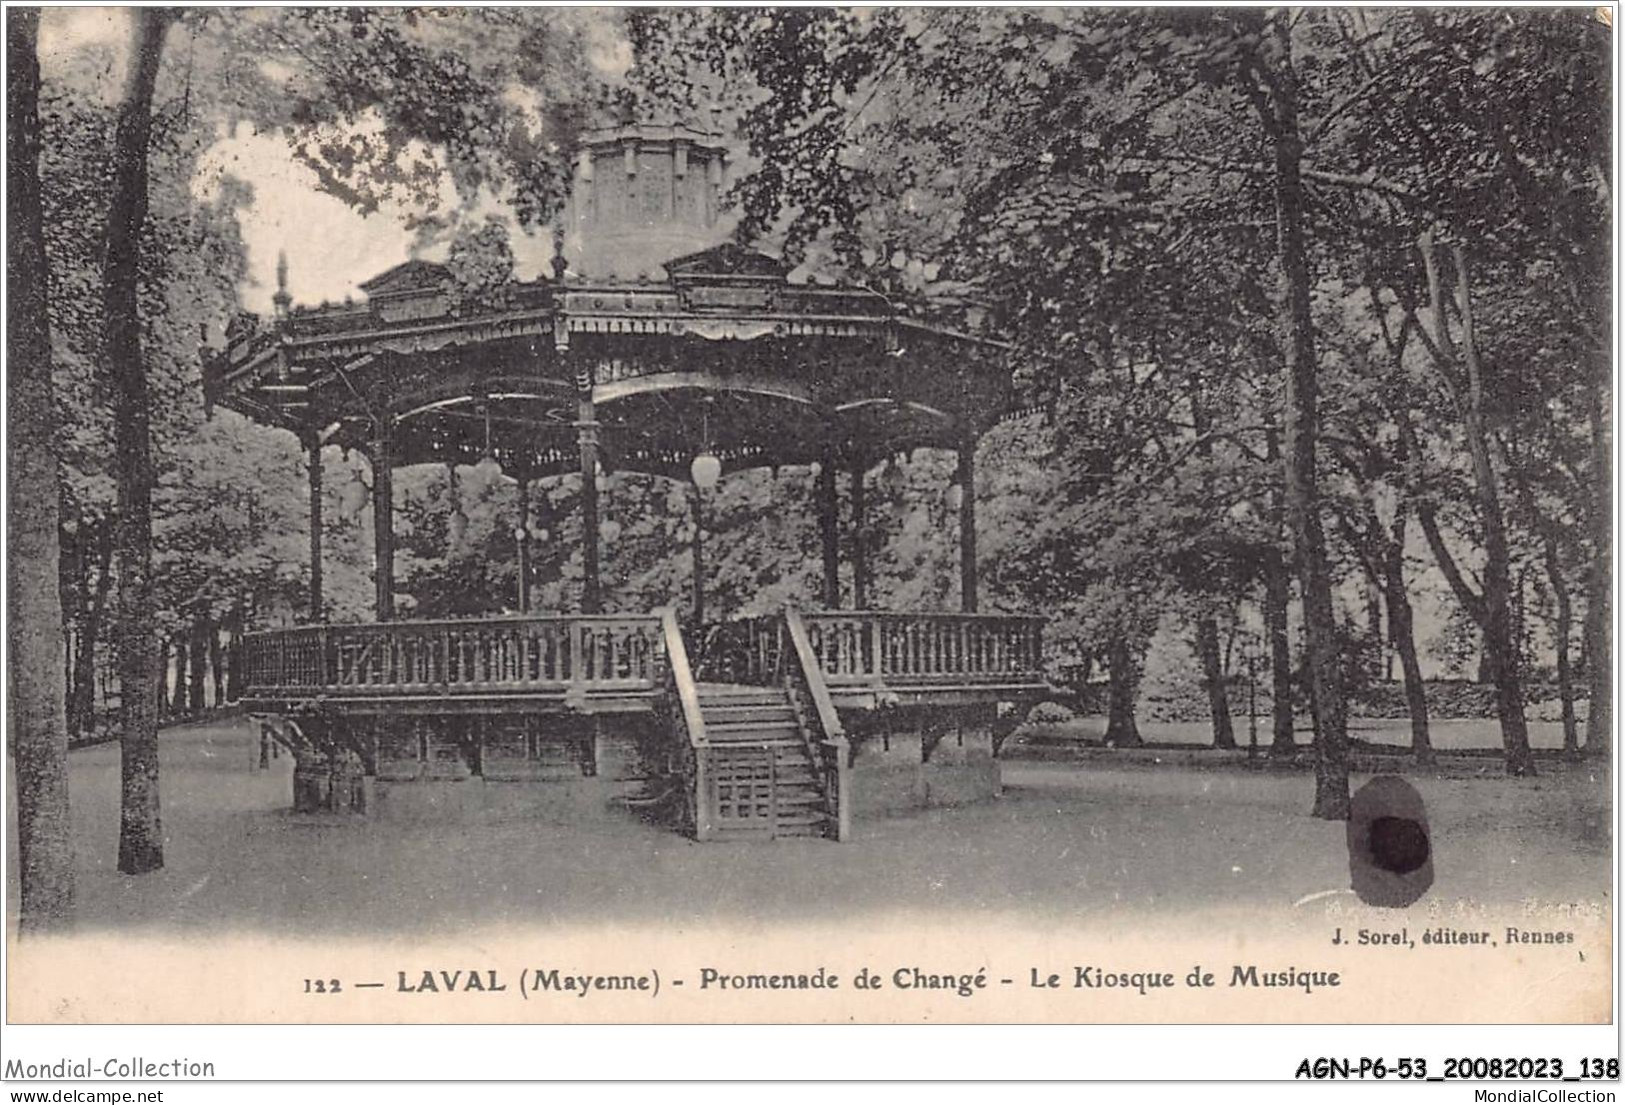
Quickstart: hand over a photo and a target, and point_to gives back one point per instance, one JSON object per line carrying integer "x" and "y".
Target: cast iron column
{"x": 383, "y": 520}
{"x": 827, "y": 524}
{"x": 860, "y": 553}
{"x": 967, "y": 525}
{"x": 587, "y": 438}
{"x": 313, "y": 466}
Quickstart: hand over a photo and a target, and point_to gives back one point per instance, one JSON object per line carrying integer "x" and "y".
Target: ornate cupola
{"x": 642, "y": 196}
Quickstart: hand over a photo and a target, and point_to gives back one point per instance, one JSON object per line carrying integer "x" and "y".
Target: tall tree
{"x": 1491, "y": 143}
{"x": 1207, "y": 624}
{"x": 141, "y": 846}
{"x": 37, "y": 725}
{"x": 1373, "y": 505}
{"x": 1278, "y": 111}
{"x": 1277, "y": 598}
{"x": 1491, "y": 605}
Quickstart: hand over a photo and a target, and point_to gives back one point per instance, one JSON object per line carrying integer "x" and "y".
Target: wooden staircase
{"x": 761, "y": 778}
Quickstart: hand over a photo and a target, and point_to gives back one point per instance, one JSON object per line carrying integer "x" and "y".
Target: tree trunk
{"x": 1562, "y": 633}
{"x": 234, "y": 657}
{"x": 217, "y": 666}
{"x": 80, "y": 716}
{"x": 1402, "y": 635}
{"x": 1207, "y": 650}
{"x": 1401, "y": 629}
{"x": 1302, "y": 430}
{"x": 71, "y": 590}
{"x": 90, "y": 632}
{"x": 1207, "y": 627}
{"x": 1124, "y": 668}
{"x": 1520, "y": 619}
{"x": 69, "y": 669}
{"x": 161, "y": 701}
{"x": 1493, "y": 609}
{"x": 37, "y": 722}
{"x": 198, "y": 652}
{"x": 1552, "y": 536}
{"x": 1277, "y": 596}
{"x": 1599, "y": 586}
{"x": 177, "y": 701}
{"x": 1375, "y": 652}
{"x": 140, "y": 831}
{"x": 70, "y": 666}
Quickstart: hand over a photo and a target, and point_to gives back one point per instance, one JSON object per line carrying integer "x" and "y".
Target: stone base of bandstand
{"x": 921, "y": 757}
{"x": 581, "y": 769}
{"x": 562, "y": 769}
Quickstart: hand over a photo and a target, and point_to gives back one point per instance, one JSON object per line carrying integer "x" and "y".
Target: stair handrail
{"x": 682, "y": 677}
{"x": 812, "y": 674}
{"x": 832, "y": 743}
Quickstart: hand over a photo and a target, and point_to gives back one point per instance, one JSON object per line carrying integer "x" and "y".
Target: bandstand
{"x": 651, "y": 349}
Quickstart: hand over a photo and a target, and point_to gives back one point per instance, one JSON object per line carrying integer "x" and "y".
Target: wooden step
{"x": 764, "y": 777}
{"x": 793, "y": 819}
{"x": 739, "y": 692}
{"x": 736, "y": 725}
{"x": 733, "y": 706}
{"x": 753, "y": 740}
{"x": 751, "y": 711}
{"x": 753, "y": 734}
{"x": 798, "y": 803}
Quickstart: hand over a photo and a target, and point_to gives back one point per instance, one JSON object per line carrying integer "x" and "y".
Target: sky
{"x": 331, "y": 247}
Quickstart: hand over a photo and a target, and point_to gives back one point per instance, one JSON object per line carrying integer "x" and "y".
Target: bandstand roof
{"x": 723, "y": 352}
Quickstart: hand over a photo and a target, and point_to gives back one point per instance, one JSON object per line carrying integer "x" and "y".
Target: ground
{"x": 1447, "y": 733}
{"x": 1076, "y": 839}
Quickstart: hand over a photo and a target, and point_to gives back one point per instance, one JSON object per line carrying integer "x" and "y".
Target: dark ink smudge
{"x": 1390, "y": 850}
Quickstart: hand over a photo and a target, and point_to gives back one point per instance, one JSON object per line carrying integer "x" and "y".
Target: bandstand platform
{"x": 651, "y": 349}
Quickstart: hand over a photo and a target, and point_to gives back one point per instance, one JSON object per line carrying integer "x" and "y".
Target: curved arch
{"x": 700, "y": 381}
{"x": 901, "y": 404}
{"x": 447, "y": 404}
{"x": 469, "y": 386}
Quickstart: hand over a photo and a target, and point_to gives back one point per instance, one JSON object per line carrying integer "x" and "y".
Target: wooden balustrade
{"x": 565, "y": 654}
{"x": 477, "y": 656}
{"x": 910, "y": 649}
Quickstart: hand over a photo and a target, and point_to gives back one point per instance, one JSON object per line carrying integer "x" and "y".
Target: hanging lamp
{"x": 706, "y": 468}
{"x": 489, "y": 467}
